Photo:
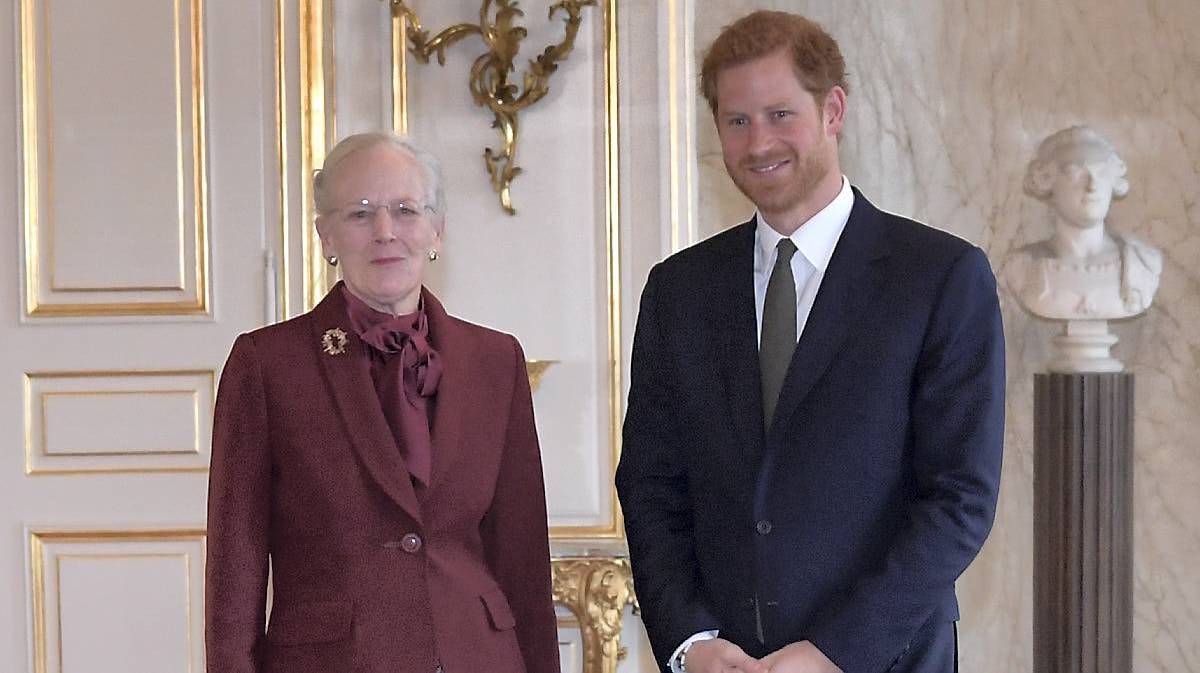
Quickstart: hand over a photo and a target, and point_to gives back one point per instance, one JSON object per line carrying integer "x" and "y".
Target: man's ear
{"x": 834, "y": 110}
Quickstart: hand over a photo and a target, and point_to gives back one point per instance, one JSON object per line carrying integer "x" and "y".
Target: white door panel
{"x": 141, "y": 202}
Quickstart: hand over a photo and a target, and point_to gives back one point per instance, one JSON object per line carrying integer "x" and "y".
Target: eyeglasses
{"x": 401, "y": 211}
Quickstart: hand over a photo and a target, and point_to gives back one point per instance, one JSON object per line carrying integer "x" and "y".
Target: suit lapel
{"x": 452, "y": 405}
{"x": 737, "y": 328}
{"x": 348, "y": 374}
{"x": 851, "y": 283}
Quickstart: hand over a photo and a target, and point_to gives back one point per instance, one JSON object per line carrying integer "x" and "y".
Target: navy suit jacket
{"x": 875, "y": 487}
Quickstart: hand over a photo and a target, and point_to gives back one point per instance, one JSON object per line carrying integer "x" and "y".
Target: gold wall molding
{"x": 615, "y": 528}
{"x": 283, "y": 270}
{"x": 194, "y": 389}
{"x": 317, "y": 133}
{"x": 681, "y": 126}
{"x": 47, "y": 296}
{"x": 47, "y": 547}
{"x": 489, "y": 81}
{"x": 596, "y": 590}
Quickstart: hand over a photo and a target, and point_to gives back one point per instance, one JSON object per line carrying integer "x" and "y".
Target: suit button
{"x": 410, "y": 543}
{"x": 763, "y": 527}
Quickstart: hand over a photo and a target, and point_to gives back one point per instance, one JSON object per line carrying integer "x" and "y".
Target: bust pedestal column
{"x": 1083, "y": 523}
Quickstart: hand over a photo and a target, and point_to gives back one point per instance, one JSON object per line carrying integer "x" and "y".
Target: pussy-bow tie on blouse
{"x": 406, "y": 370}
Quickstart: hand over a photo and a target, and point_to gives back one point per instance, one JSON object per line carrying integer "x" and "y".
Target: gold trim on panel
{"x": 38, "y": 541}
{"x": 596, "y": 591}
{"x": 399, "y": 73}
{"x": 194, "y": 395}
{"x": 615, "y": 528}
{"x": 37, "y": 589}
{"x": 284, "y": 270}
{"x": 180, "y": 284}
{"x": 180, "y": 187}
{"x": 29, "y": 151}
{"x": 32, "y": 152}
{"x": 680, "y": 129}
{"x": 613, "y": 222}
{"x": 315, "y": 129}
{"x": 673, "y": 115}
{"x": 200, "y": 158}
{"x": 41, "y": 451}
{"x": 114, "y": 288}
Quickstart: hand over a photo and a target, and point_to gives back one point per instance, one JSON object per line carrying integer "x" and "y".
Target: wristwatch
{"x": 683, "y": 657}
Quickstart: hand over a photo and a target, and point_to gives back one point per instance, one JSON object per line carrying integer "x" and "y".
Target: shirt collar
{"x": 815, "y": 239}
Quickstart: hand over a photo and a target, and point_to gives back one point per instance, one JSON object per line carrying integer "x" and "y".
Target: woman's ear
{"x": 327, "y": 248}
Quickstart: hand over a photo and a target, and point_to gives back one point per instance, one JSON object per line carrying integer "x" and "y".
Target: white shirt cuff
{"x": 677, "y": 656}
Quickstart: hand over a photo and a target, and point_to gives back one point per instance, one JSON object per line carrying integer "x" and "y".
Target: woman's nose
{"x": 381, "y": 224}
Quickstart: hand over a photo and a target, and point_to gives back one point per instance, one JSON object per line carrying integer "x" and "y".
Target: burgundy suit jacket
{"x": 367, "y": 575}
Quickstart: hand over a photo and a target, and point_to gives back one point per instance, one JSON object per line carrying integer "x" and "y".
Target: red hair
{"x": 815, "y": 55}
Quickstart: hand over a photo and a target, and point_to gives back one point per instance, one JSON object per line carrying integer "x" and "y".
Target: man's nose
{"x": 760, "y": 138}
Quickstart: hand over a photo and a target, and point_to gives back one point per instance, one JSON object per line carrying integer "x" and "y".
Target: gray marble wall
{"x": 949, "y": 100}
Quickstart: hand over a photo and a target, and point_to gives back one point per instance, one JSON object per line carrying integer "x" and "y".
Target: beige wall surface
{"x": 948, "y": 102}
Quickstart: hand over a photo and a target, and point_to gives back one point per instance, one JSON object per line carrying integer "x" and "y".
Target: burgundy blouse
{"x": 405, "y": 369}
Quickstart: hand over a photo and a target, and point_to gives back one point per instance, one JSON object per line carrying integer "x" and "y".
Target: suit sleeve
{"x": 655, "y": 498}
{"x": 515, "y": 535}
{"x": 957, "y": 441}
{"x": 239, "y": 489}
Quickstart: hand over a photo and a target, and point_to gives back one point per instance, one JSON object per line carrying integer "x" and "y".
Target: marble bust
{"x": 1084, "y": 271}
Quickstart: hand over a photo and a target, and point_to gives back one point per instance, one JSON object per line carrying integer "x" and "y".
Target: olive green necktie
{"x": 778, "y": 339}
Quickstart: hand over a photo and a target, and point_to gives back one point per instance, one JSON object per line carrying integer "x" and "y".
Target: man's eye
{"x": 404, "y": 210}
{"x": 780, "y": 114}
{"x": 359, "y": 214}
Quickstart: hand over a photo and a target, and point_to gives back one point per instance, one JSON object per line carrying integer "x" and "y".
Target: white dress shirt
{"x": 815, "y": 241}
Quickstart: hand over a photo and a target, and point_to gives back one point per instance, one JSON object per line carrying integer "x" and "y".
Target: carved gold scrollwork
{"x": 596, "y": 591}
{"x": 489, "y": 82}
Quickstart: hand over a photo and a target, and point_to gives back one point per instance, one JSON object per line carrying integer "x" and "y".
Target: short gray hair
{"x": 1039, "y": 177}
{"x": 431, "y": 168}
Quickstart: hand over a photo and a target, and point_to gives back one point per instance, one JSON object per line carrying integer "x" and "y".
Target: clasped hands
{"x": 721, "y": 656}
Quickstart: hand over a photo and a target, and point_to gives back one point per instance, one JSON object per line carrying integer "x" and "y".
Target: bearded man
{"x": 815, "y": 422}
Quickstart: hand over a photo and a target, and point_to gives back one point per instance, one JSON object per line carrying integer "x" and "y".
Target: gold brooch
{"x": 333, "y": 341}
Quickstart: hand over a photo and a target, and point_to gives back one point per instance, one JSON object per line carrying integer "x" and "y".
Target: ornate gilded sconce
{"x": 489, "y": 82}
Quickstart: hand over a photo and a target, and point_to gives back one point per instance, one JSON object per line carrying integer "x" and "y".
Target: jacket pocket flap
{"x": 498, "y": 610}
{"x": 311, "y": 622}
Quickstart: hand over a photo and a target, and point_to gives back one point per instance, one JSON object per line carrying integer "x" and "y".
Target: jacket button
{"x": 410, "y": 543}
{"x": 763, "y": 527}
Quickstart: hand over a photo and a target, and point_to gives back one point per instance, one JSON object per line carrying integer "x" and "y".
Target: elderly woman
{"x": 1085, "y": 271}
{"x": 379, "y": 457}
